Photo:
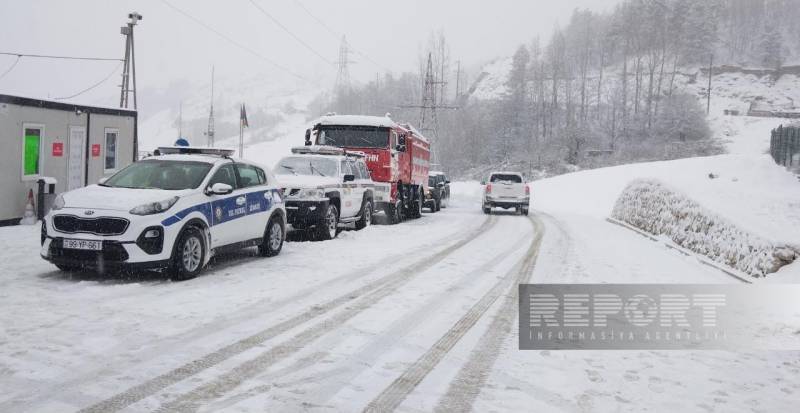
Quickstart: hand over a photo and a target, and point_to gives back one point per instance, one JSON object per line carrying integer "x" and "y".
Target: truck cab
{"x": 395, "y": 154}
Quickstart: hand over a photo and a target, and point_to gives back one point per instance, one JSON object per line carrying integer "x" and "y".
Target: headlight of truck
{"x": 58, "y": 203}
{"x": 154, "y": 207}
{"x": 311, "y": 194}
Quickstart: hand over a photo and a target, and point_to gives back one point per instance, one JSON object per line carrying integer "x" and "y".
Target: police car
{"x": 173, "y": 211}
{"x": 327, "y": 187}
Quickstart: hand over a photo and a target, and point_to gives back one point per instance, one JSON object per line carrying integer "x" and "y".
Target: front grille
{"x": 112, "y": 251}
{"x": 98, "y": 226}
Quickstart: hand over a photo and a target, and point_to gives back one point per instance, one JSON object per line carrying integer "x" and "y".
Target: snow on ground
{"x": 492, "y": 86}
{"x": 68, "y": 342}
{"x": 81, "y": 338}
{"x": 664, "y": 211}
{"x": 580, "y": 247}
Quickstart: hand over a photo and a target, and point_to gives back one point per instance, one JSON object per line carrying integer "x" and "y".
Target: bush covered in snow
{"x": 660, "y": 210}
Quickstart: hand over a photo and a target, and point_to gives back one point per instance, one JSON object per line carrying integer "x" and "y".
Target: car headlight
{"x": 154, "y": 207}
{"x": 58, "y": 203}
{"x": 311, "y": 193}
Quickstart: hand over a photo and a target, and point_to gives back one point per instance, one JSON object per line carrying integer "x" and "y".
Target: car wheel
{"x": 366, "y": 216}
{"x": 328, "y": 227}
{"x": 189, "y": 255}
{"x": 273, "y": 238}
{"x": 487, "y": 210}
{"x": 415, "y": 211}
{"x": 438, "y": 204}
{"x": 524, "y": 211}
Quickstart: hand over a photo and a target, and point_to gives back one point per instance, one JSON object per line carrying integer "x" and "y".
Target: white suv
{"x": 506, "y": 190}
{"x": 326, "y": 187}
{"x": 174, "y": 211}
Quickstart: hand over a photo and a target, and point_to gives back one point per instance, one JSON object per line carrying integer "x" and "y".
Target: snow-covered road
{"x": 417, "y": 317}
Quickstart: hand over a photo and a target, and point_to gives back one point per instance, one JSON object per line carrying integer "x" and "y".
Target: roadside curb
{"x": 728, "y": 271}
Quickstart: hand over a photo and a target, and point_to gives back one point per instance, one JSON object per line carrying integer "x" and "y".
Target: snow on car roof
{"x": 356, "y": 120}
{"x": 363, "y": 120}
{"x": 505, "y": 173}
{"x": 435, "y": 173}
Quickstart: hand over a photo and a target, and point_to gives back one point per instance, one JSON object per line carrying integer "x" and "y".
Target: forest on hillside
{"x": 600, "y": 91}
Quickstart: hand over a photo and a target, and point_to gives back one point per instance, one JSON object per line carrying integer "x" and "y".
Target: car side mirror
{"x": 308, "y": 137}
{"x": 221, "y": 189}
{"x": 102, "y": 180}
{"x": 447, "y": 182}
{"x": 349, "y": 177}
{"x": 400, "y": 148}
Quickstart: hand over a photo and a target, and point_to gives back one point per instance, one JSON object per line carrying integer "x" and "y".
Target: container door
{"x": 76, "y": 163}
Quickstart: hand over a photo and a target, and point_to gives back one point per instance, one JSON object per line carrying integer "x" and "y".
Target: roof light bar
{"x": 318, "y": 150}
{"x": 186, "y": 150}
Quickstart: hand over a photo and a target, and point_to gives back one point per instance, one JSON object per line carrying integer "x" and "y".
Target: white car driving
{"x": 506, "y": 190}
{"x": 172, "y": 211}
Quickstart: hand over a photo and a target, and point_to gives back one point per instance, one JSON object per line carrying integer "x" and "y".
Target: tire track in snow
{"x": 471, "y": 378}
{"x": 331, "y": 383}
{"x": 67, "y": 390}
{"x": 391, "y": 397}
{"x": 383, "y": 285}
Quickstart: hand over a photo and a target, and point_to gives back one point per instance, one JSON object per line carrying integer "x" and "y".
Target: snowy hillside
{"x": 730, "y": 90}
{"x": 276, "y": 111}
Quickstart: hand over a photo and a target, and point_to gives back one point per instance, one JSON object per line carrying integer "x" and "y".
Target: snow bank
{"x": 652, "y": 206}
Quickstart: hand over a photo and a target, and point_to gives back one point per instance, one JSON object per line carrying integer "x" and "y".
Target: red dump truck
{"x": 395, "y": 153}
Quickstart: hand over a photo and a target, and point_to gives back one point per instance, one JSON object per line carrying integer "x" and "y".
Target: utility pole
{"x": 428, "y": 122}
{"x": 180, "y": 120}
{"x": 211, "y": 132}
{"x": 710, "y": 73}
{"x": 342, "y": 86}
{"x": 129, "y": 63}
{"x": 458, "y": 81}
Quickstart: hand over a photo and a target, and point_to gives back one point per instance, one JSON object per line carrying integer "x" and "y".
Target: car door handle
{"x": 241, "y": 200}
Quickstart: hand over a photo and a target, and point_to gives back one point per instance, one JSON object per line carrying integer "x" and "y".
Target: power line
{"x": 92, "y": 86}
{"x": 13, "y": 65}
{"x": 299, "y": 40}
{"x": 42, "y": 56}
{"x": 338, "y": 35}
{"x": 235, "y": 43}
{"x": 318, "y": 20}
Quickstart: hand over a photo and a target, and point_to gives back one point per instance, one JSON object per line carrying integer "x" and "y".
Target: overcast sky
{"x": 172, "y": 47}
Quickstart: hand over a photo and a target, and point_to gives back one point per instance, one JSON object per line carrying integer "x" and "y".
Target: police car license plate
{"x": 82, "y": 244}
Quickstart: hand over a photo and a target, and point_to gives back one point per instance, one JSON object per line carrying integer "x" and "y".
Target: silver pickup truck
{"x": 506, "y": 190}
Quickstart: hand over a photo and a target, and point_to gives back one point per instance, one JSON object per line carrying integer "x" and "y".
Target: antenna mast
{"x": 129, "y": 63}
{"x": 211, "y": 132}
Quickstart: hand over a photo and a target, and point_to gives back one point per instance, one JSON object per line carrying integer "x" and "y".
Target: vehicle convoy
{"x": 395, "y": 154}
{"x": 438, "y": 195}
{"x": 172, "y": 211}
{"x": 506, "y": 190}
{"x": 326, "y": 187}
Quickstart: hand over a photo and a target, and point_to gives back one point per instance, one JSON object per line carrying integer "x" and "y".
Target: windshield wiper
{"x": 311, "y": 166}
{"x": 290, "y": 169}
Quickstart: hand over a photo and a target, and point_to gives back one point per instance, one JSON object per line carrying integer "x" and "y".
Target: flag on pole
{"x": 243, "y": 117}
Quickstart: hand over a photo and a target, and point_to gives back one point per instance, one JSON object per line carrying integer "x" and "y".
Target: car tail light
{"x": 527, "y": 190}
{"x": 488, "y": 188}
